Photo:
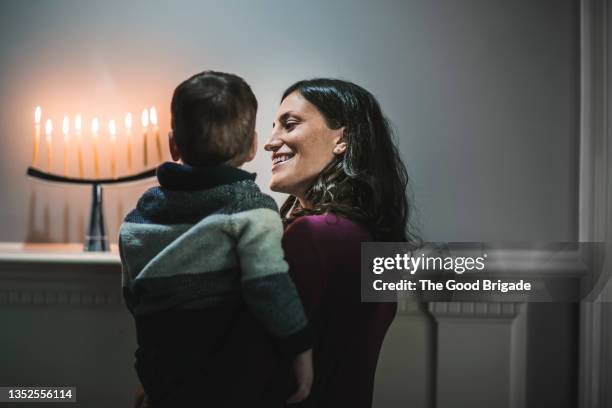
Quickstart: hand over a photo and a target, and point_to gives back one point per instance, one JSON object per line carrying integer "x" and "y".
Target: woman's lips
{"x": 277, "y": 165}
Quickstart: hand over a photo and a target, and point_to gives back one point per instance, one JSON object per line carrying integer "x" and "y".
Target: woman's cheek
{"x": 297, "y": 174}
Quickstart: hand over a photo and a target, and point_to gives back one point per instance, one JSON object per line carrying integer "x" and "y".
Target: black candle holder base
{"x": 96, "y": 239}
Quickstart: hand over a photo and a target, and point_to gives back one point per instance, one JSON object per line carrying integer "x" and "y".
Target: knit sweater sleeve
{"x": 267, "y": 287}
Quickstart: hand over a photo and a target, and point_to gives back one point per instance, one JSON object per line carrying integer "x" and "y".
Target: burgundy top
{"x": 323, "y": 252}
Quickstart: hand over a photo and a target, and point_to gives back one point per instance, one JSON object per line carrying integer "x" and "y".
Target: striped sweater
{"x": 208, "y": 238}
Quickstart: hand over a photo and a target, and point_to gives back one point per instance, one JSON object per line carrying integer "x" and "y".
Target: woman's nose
{"x": 273, "y": 143}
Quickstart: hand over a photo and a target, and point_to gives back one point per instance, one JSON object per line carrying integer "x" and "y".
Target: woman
{"x": 333, "y": 153}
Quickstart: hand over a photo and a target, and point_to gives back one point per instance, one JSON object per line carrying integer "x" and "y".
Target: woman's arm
{"x": 305, "y": 260}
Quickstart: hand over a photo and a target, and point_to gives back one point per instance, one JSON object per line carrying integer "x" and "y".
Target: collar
{"x": 183, "y": 177}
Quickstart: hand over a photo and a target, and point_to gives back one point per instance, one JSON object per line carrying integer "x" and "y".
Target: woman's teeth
{"x": 281, "y": 158}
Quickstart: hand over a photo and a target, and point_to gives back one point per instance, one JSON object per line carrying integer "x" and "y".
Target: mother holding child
{"x": 235, "y": 306}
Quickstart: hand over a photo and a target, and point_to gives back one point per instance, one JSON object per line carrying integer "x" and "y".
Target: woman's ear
{"x": 341, "y": 144}
{"x": 174, "y": 150}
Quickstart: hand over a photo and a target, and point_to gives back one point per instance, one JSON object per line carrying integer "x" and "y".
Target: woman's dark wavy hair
{"x": 367, "y": 183}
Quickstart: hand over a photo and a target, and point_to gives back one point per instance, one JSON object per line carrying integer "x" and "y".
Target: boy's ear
{"x": 174, "y": 151}
{"x": 252, "y": 149}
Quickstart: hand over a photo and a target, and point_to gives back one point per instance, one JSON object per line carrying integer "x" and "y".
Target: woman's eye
{"x": 290, "y": 125}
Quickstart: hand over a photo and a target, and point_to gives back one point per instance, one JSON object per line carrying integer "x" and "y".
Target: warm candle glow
{"x": 65, "y": 128}
{"x": 128, "y": 135}
{"x": 128, "y": 121}
{"x": 153, "y": 116}
{"x": 95, "y": 126}
{"x": 48, "y": 133}
{"x": 77, "y": 131}
{"x": 48, "y": 128}
{"x": 37, "y": 116}
{"x": 112, "y": 130}
{"x": 144, "y": 120}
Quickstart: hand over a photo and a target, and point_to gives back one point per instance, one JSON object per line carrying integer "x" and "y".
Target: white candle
{"x": 65, "y": 129}
{"x": 128, "y": 139}
{"x": 48, "y": 133}
{"x": 153, "y": 117}
{"x": 95, "y": 126}
{"x": 112, "y": 130}
{"x": 144, "y": 121}
{"x": 37, "y": 116}
{"x": 77, "y": 132}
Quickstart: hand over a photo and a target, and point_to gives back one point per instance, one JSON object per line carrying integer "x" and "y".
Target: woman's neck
{"x": 304, "y": 203}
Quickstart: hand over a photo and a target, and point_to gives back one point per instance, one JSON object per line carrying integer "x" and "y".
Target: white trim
{"x": 18, "y": 252}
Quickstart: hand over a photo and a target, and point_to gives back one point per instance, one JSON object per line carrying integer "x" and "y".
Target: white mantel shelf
{"x": 52, "y": 253}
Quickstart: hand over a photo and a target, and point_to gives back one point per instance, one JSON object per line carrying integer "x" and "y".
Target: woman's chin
{"x": 276, "y": 185}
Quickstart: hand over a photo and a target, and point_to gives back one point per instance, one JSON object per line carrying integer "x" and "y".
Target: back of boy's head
{"x": 213, "y": 118}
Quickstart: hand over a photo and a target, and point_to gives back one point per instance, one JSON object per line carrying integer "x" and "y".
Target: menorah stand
{"x": 96, "y": 239}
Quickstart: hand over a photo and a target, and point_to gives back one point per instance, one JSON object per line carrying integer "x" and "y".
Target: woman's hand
{"x": 303, "y": 372}
{"x": 140, "y": 399}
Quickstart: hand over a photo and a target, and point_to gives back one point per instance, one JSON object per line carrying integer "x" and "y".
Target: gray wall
{"x": 482, "y": 93}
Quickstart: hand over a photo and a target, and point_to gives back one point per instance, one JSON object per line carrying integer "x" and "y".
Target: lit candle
{"x": 153, "y": 117}
{"x": 48, "y": 132}
{"x": 112, "y": 130}
{"x": 144, "y": 120}
{"x": 65, "y": 128}
{"x": 77, "y": 132}
{"x": 37, "y": 115}
{"x": 128, "y": 137}
{"x": 95, "y": 126}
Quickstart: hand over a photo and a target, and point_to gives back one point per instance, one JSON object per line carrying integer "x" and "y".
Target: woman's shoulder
{"x": 327, "y": 225}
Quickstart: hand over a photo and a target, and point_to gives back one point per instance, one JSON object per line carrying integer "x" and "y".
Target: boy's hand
{"x": 139, "y": 397}
{"x": 141, "y": 400}
{"x": 303, "y": 372}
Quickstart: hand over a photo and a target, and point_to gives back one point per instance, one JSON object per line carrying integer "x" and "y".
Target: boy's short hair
{"x": 213, "y": 118}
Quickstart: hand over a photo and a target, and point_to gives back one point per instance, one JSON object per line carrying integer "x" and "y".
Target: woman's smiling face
{"x": 301, "y": 144}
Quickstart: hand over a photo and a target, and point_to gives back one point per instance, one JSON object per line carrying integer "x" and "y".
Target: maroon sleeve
{"x": 306, "y": 265}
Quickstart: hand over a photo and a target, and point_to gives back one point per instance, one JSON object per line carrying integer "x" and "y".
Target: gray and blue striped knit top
{"x": 208, "y": 237}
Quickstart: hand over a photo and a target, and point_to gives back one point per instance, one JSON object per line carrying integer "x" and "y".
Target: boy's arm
{"x": 267, "y": 287}
{"x": 126, "y": 279}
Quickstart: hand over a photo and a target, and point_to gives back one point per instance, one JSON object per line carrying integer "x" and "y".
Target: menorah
{"x": 96, "y": 238}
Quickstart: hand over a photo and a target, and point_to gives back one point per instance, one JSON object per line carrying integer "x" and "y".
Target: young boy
{"x": 202, "y": 252}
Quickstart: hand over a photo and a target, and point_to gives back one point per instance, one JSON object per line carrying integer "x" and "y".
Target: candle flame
{"x": 144, "y": 118}
{"x": 153, "y": 116}
{"x": 128, "y": 121}
{"x": 37, "y": 115}
{"x": 112, "y": 128}
{"x": 48, "y": 127}
{"x": 95, "y": 126}
{"x": 66, "y": 127}
{"x": 77, "y": 123}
